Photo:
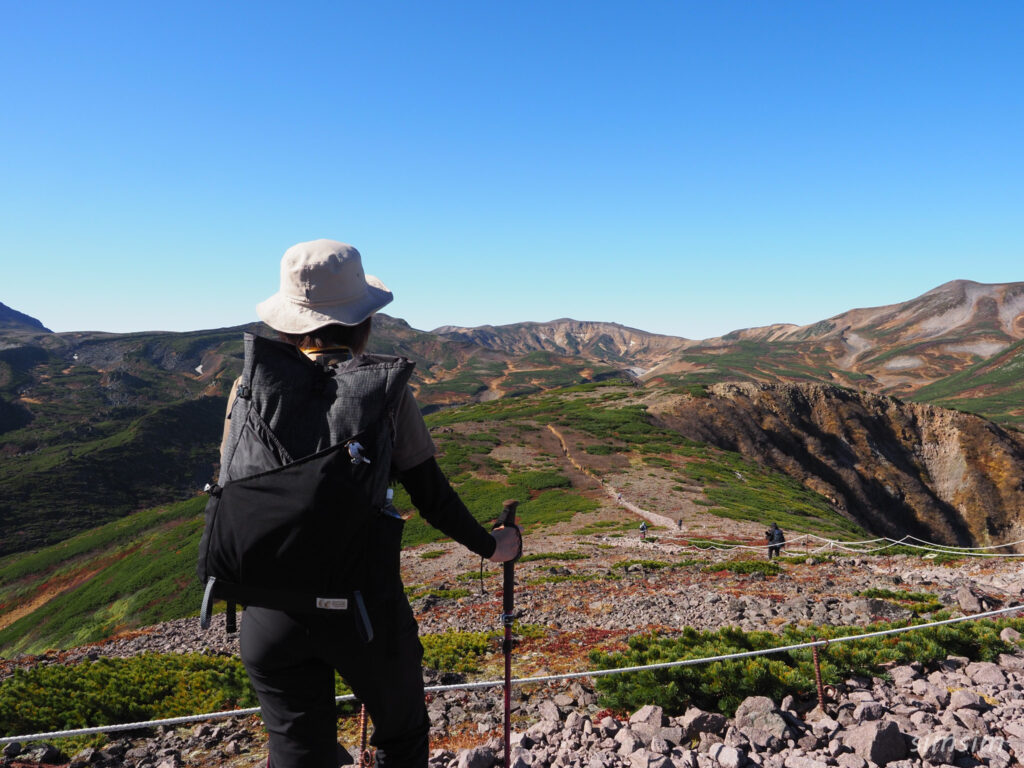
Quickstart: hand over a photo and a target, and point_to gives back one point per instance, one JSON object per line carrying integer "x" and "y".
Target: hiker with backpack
{"x": 776, "y": 540}
{"x": 315, "y": 422}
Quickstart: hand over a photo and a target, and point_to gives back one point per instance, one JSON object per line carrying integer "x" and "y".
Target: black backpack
{"x": 317, "y": 533}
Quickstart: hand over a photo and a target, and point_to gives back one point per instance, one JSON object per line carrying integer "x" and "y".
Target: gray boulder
{"x": 1009, "y": 635}
{"x": 937, "y": 748}
{"x": 903, "y": 675}
{"x": 727, "y": 757}
{"x": 803, "y": 761}
{"x": 644, "y": 758}
{"x": 762, "y": 722}
{"x": 46, "y": 753}
{"x": 985, "y": 673}
{"x": 12, "y": 749}
{"x": 878, "y": 742}
{"x": 649, "y": 714}
{"x": 868, "y": 710}
{"x": 964, "y": 699}
{"x": 967, "y": 600}
{"x": 477, "y": 757}
{"x": 696, "y": 721}
{"x": 548, "y": 710}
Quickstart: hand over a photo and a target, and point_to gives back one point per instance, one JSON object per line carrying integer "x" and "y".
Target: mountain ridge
{"x": 11, "y": 319}
{"x": 75, "y": 404}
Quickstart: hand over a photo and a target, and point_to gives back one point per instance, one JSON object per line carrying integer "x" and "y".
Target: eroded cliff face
{"x": 895, "y": 467}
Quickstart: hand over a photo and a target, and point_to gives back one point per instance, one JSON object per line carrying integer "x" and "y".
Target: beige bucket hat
{"x": 322, "y": 282}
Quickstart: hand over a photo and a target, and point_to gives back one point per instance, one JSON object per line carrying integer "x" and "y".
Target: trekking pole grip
{"x": 507, "y": 519}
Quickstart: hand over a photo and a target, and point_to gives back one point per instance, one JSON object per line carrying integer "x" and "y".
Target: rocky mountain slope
{"x": 961, "y": 327}
{"x": 992, "y": 313}
{"x": 895, "y": 467}
{"x": 952, "y": 711}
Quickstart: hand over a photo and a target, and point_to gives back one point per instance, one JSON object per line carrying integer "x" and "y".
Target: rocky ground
{"x": 954, "y": 713}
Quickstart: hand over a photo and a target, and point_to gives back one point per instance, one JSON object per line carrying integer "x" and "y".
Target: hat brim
{"x": 289, "y": 314}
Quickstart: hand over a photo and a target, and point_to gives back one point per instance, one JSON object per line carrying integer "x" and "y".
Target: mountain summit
{"x": 609, "y": 342}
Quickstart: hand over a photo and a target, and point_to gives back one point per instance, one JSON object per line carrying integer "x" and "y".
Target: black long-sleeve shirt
{"x": 441, "y": 506}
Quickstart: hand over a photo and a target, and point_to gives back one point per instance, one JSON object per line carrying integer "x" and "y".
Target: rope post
{"x": 817, "y": 675}
{"x": 507, "y": 518}
{"x": 365, "y": 754}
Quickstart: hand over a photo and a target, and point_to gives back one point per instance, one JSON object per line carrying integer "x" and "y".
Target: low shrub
{"x": 558, "y": 578}
{"x": 538, "y": 480}
{"x": 457, "y": 651}
{"x": 767, "y": 567}
{"x": 599, "y": 527}
{"x": 602, "y": 449}
{"x": 109, "y": 691}
{"x": 722, "y": 685}
{"x": 553, "y": 556}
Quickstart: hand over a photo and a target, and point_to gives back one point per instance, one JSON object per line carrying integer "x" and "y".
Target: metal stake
{"x": 817, "y": 675}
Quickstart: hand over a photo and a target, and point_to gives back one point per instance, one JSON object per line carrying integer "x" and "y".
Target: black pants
{"x": 291, "y": 660}
{"x": 773, "y": 550}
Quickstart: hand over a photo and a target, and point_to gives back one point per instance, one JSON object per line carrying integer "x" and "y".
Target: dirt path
{"x": 613, "y": 493}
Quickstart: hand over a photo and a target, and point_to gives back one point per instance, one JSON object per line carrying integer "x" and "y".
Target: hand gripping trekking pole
{"x": 507, "y": 519}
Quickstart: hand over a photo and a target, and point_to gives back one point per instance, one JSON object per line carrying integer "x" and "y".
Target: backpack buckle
{"x": 355, "y": 453}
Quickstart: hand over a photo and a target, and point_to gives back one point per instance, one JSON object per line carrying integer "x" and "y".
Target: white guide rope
{"x": 697, "y": 545}
{"x": 519, "y": 681}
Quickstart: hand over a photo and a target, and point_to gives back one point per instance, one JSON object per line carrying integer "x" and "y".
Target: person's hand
{"x": 509, "y": 542}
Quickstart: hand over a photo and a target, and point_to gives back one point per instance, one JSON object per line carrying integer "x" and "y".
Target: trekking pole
{"x": 507, "y": 519}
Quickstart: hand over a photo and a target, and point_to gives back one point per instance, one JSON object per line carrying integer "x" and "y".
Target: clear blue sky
{"x": 681, "y": 167}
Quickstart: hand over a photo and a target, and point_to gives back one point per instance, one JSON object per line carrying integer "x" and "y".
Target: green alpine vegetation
{"x": 132, "y": 572}
{"x": 722, "y": 685}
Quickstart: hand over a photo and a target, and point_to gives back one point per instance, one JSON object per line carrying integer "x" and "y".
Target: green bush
{"x": 457, "y": 651}
{"x": 553, "y": 556}
{"x": 601, "y": 449}
{"x": 109, "y": 691}
{"x": 538, "y": 481}
{"x": 559, "y": 578}
{"x": 767, "y": 567}
{"x": 599, "y": 527}
{"x": 722, "y": 685}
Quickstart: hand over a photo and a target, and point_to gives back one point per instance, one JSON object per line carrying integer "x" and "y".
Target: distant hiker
{"x": 322, "y": 314}
{"x": 643, "y": 530}
{"x": 776, "y": 539}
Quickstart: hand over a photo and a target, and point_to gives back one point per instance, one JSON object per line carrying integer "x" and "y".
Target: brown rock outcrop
{"x": 895, "y": 467}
